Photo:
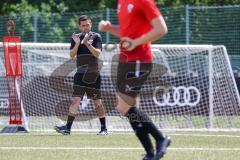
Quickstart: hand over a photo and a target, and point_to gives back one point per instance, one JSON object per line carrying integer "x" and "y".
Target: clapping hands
{"x": 76, "y": 39}
{"x": 85, "y": 39}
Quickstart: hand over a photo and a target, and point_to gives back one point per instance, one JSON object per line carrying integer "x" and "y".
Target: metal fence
{"x": 187, "y": 25}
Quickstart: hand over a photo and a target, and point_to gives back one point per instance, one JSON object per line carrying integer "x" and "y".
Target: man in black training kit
{"x": 140, "y": 23}
{"x": 87, "y": 47}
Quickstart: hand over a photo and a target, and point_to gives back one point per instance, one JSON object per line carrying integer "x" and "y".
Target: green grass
{"x": 117, "y": 146}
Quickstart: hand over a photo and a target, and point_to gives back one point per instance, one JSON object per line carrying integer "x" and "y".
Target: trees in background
{"x": 6, "y": 6}
{"x": 28, "y": 16}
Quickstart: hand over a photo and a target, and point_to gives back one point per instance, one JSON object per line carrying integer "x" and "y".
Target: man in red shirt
{"x": 140, "y": 23}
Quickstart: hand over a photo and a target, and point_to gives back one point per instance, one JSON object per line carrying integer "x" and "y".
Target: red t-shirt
{"x": 135, "y": 18}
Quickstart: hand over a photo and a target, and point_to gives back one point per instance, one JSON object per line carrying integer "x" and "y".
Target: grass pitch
{"x": 117, "y": 146}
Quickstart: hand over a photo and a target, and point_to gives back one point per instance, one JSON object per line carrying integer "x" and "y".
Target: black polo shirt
{"x": 85, "y": 59}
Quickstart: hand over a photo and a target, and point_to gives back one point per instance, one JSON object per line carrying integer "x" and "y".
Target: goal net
{"x": 191, "y": 87}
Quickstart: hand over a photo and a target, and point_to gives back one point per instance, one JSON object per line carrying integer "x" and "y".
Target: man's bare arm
{"x": 73, "y": 51}
{"x": 159, "y": 29}
{"x": 115, "y": 30}
{"x": 95, "y": 51}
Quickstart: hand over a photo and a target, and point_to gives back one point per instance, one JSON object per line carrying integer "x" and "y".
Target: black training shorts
{"x": 131, "y": 77}
{"x": 89, "y": 83}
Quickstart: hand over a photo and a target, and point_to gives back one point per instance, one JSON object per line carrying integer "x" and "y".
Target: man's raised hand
{"x": 104, "y": 26}
{"x": 85, "y": 39}
{"x": 76, "y": 38}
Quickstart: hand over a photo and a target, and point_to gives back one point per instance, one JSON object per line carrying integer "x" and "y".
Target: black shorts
{"x": 131, "y": 77}
{"x": 87, "y": 83}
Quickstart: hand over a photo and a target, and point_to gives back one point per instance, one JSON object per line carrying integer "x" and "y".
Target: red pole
{"x": 10, "y": 101}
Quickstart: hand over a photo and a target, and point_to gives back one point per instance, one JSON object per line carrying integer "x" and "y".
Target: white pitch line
{"x": 205, "y": 135}
{"x": 187, "y": 134}
{"x": 128, "y": 133}
{"x": 114, "y": 149}
{"x": 65, "y": 148}
{"x": 206, "y": 149}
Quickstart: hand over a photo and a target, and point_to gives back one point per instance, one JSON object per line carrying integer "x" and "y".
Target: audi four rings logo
{"x": 181, "y": 96}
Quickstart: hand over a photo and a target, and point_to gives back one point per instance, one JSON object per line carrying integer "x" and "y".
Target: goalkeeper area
{"x": 191, "y": 95}
{"x": 191, "y": 87}
{"x": 118, "y": 146}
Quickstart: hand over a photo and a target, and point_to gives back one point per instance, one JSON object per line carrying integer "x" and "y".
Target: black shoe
{"x": 147, "y": 157}
{"x": 161, "y": 147}
{"x": 103, "y": 132}
{"x": 62, "y": 129}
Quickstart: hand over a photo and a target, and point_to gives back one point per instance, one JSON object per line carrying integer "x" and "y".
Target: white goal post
{"x": 201, "y": 95}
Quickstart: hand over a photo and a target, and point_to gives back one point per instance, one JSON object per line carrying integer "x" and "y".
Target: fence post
{"x": 35, "y": 25}
{"x": 187, "y": 35}
{"x": 108, "y": 19}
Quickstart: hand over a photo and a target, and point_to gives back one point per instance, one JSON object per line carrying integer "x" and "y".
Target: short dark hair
{"x": 83, "y": 18}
